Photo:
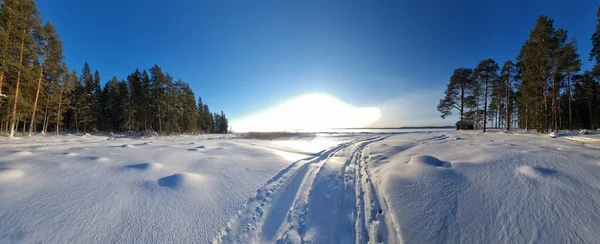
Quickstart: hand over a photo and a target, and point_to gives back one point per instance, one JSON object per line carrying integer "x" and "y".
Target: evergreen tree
{"x": 37, "y": 89}
{"x": 201, "y": 117}
{"x": 124, "y": 107}
{"x": 137, "y": 96}
{"x": 158, "y": 96}
{"x": 507, "y": 74}
{"x": 146, "y": 101}
{"x": 535, "y": 67}
{"x": 459, "y": 88}
{"x": 486, "y": 73}
{"x": 25, "y": 19}
{"x": 85, "y": 98}
{"x": 96, "y": 107}
{"x": 571, "y": 65}
{"x": 595, "y": 52}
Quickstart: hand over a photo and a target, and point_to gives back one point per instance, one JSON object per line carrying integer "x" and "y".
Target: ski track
{"x": 328, "y": 198}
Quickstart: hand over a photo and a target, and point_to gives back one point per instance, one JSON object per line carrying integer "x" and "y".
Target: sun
{"x": 309, "y": 112}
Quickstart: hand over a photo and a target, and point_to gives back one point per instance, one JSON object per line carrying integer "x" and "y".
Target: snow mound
{"x": 70, "y": 154}
{"x": 99, "y": 159}
{"x": 145, "y": 166}
{"x": 180, "y": 180}
{"x": 536, "y": 172}
{"x": 22, "y": 153}
{"x": 553, "y": 134}
{"x": 583, "y": 139}
{"x": 10, "y": 174}
{"x": 428, "y": 161}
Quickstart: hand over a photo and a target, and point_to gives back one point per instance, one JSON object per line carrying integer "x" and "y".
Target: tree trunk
{"x": 485, "y": 95}
{"x": 526, "y": 118}
{"x": 554, "y": 111}
{"x": 58, "y": 114}
{"x": 24, "y": 124}
{"x": 462, "y": 106}
{"x": 76, "y": 123}
{"x": 508, "y": 103}
{"x": 159, "y": 121}
{"x": 39, "y": 86}
{"x": 1, "y": 81}
{"x": 569, "y": 92}
{"x": 46, "y": 119}
{"x": 14, "y": 110}
{"x": 591, "y": 116}
{"x": 559, "y": 114}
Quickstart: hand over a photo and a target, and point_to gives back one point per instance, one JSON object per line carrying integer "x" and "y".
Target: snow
{"x": 401, "y": 187}
{"x": 497, "y": 188}
{"x": 89, "y": 189}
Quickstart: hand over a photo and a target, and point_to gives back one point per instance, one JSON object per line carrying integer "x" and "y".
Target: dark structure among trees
{"x": 38, "y": 92}
{"x": 544, "y": 90}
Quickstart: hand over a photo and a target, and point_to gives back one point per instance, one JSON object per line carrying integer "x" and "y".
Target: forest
{"x": 39, "y": 93}
{"x": 544, "y": 89}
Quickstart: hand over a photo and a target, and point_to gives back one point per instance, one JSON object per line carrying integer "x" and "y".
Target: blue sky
{"x": 244, "y": 56}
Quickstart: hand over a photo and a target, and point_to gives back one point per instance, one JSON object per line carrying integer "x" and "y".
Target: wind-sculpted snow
{"x": 419, "y": 187}
{"x": 490, "y": 188}
{"x": 73, "y": 189}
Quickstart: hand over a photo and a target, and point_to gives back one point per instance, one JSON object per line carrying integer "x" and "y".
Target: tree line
{"x": 38, "y": 92}
{"x": 545, "y": 89}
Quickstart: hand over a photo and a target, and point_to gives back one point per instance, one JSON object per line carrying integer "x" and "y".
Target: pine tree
{"x": 595, "y": 52}
{"x": 96, "y": 108}
{"x": 201, "y": 117}
{"x": 145, "y": 101}
{"x": 486, "y": 73}
{"x": 459, "y": 88}
{"x": 69, "y": 88}
{"x": 507, "y": 74}
{"x": 43, "y": 37}
{"x": 158, "y": 96}
{"x": 25, "y": 20}
{"x": 136, "y": 95}
{"x": 124, "y": 107}
{"x": 535, "y": 66}
{"x": 571, "y": 65}
{"x": 209, "y": 120}
{"x": 7, "y": 29}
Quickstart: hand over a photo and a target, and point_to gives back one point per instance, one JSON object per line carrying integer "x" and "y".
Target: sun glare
{"x": 310, "y": 112}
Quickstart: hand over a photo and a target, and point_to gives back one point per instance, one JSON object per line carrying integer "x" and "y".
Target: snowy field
{"x": 402, "y": 187}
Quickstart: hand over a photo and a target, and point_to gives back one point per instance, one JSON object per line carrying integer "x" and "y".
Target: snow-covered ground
{"x": 417, "y": 187}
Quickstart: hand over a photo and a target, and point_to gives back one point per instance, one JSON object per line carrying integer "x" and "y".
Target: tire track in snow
{"x": 273, "y": 198}
{"x": 311, "y": 200}
{"x": 372, "y": 226}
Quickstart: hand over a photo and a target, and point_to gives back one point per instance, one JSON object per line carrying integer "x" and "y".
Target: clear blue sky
{"x": 242, "y": 56}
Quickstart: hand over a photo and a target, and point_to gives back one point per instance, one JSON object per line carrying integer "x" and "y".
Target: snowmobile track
{"x": 320, "y": 199}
